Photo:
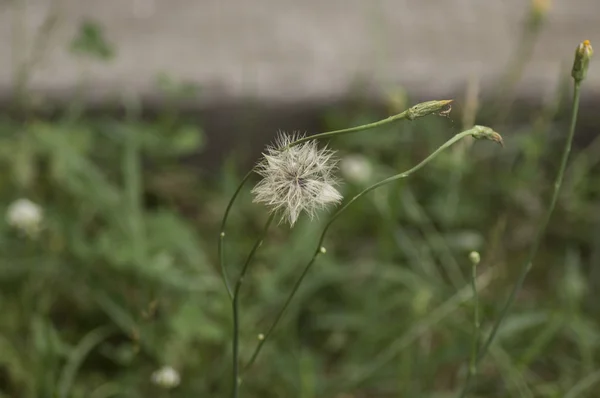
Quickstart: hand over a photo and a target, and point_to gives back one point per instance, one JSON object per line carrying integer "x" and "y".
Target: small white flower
{"x": 166, "y": 377}
{"x": 25, "y": 215}
{"x": 356, "y": 168}
{"x": 296, "y": 179}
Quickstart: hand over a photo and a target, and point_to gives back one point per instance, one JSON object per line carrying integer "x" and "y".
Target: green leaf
{"x": 91, "y": 42}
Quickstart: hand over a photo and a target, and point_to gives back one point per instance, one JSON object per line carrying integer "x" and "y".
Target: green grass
{"x": 124, "y": 278}
{"x": 380, "y": 315}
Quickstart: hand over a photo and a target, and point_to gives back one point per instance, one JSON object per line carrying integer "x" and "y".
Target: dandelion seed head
{"x": 296, "y": 179}
{"x": 166, "y": 377}
{"x": 25, "y": 215}
{"x": 356, "y": 168}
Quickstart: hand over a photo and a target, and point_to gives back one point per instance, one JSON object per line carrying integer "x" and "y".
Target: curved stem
{"x": 527, "y": 265}
{"x": 221, "y": 260}
{"x": 417, "y": 111}
{"x": 321, "y": 250}
{"x": 363, "y": 127}
{"x": 235, "y": 307}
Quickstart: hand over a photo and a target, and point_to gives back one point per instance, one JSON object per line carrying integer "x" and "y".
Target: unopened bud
{"x": 539, "y": 10}
{"x": 474, "y": 257}
{"x": 583, "y": 54}
{"x": 427, "y": 108}
{"x": 486, "y": 133}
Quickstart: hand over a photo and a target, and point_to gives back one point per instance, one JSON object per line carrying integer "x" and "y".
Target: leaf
{"x": 91, "y": 42}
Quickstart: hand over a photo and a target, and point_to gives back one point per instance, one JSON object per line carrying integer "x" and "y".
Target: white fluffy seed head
{"x": 25, "y": 215}
{"x": 356, "y": 168}
{"x": 296, "y": 179}
{"x": 166, "y": 377}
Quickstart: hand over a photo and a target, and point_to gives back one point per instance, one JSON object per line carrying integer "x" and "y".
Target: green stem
{"x": 235, "y": 307}
{"x": 355, "y": 129}
{"x": 476, "y": 329}
{"x": 321, "y": 250}
{"x": 221, "y": 260}
{"x": 417, "y": 111}
{"x": 420, "y": 110}
{"x": 78, "y": 356}
{"x": 476, "y": 326}
{"x": 527, "y": 265}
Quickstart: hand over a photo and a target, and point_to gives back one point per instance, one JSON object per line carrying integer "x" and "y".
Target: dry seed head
{"x": 25, "y": 216}
{"x": 166, "y": 377}
{"x": 296, "y": 178}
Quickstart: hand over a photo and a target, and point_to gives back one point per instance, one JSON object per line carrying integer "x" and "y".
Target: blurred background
{"x": 126, "y": 126}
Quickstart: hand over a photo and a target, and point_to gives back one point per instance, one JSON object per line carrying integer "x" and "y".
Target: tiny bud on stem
{"x": 539, "y": 11}
{"x": 583, "y": 54}
{"x": 474, "y": 257}
{"x": 427, "y": 108}
{"x": 486, "y": 133}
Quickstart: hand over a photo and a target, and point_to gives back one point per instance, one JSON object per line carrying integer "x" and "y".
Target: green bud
{"x": 427, "y": 108}
{"x": 474, "y": 257}
{"x": 486, "y": 133}
{"x": 583, "y": 54}
{"x": 539, "y": 11}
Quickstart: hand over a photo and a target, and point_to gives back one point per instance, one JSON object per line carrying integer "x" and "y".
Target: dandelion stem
{"x": 472, "y": 373}
{"x": 477, "y": 132}
{"x": 526, "y": 267}
{"x": 528, "y": 263}
{"x": 224, "y": 274}
{"x": 363, "y": 127}
{"x": 420, "y": 110}
{"x": 235, "y": 307}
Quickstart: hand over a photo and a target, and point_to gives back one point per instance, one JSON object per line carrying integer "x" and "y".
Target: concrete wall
{"x": 293, "y": 49}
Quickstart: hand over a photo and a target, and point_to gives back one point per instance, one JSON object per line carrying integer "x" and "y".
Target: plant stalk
{"x": 417, "y": 111}
{"x": 221, "y": 260}
{"x": 527, "y": 265}
{"x": 476, "y": 132}
{"x": 235, "y": 308}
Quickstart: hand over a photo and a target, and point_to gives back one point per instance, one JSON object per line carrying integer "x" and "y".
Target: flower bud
{"x": 486, "y": 133}
{"x": 474, "y": 257}
{"x": 427, "y": 108}
{"x": 583, "y": 54}
{"x": 539, "y": 10}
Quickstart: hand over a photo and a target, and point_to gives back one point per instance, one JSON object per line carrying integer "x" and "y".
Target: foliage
{"x": 123, "y": 279}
